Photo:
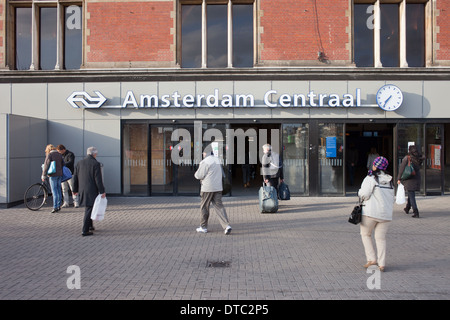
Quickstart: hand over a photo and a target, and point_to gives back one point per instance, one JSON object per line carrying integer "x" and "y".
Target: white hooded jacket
{"x": 378, "y": 197}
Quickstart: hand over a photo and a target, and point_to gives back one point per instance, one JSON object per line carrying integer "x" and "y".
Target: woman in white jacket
{"x": 377, "y": 191}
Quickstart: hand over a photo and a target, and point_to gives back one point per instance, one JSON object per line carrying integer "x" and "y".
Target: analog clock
{"x": 389, "y": 97}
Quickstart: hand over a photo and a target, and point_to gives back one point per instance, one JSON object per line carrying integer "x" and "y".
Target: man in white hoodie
{"x": 210, "y": 174}
{"x": 377, "y": 191}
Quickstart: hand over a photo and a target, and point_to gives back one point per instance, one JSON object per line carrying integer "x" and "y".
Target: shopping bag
{"x": 268, "y": 199}
{"x": 52, "y": 168}
{"x": 401, "y": 197}
{"x": 98, "y": 211}
{"x": 67, "y": 175}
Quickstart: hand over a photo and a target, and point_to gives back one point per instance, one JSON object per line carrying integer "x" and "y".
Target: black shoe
{"x": 91, "y": 229}
{"x": 416, "y": 214}
{"x": 406, "y": 210}
{"x": 55, "y": 210}
{"x": 89, "y": 233}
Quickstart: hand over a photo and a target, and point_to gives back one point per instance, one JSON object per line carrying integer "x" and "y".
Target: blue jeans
{"x": 55, "y": 184}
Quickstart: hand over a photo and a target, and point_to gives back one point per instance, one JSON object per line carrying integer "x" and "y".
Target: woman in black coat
{"x": 412, "y": 184}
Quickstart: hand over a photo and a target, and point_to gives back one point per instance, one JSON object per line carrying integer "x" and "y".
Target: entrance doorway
{"x": 237, "y": 170}
{"x": 363, "y": 142}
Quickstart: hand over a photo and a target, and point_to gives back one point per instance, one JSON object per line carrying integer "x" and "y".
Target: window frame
{"x": 35, "y": 6}
{"x": 428, "y": 31}
{"x": 204, "y": 53}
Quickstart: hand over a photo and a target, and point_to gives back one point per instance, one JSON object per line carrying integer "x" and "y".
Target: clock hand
{"x": 387, "y": 101}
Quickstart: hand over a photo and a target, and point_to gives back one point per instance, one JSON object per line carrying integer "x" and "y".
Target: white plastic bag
{"x": 98, "y": 211}
{"x": 400, "y": 198}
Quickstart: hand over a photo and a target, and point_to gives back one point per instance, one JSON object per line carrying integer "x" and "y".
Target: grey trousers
{"x": 214, "y": 198}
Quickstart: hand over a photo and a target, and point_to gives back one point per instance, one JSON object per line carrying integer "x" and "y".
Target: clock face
{"x": 389, "y": 97}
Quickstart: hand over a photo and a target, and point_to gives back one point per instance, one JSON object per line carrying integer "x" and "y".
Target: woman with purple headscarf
{"x": 377, "y": 192}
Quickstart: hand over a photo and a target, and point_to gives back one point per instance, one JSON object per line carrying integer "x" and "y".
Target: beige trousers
{"x": 214, "y": 198}
{"x": 379, "y": 228}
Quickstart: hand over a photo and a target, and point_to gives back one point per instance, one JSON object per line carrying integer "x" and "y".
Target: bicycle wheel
{"x": 35, "y": 196}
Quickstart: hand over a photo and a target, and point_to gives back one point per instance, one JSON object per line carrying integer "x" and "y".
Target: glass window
{"x": 217, "y": 46}
{"x": 72, "y": 37}
{"x": 191, "y": 36}
{"x": 23, "y": 38}
{"x": 47, "y": 38}
{"x": 217, "y": 36}
{"x": 242, "y": 36}
{"x": 415, "y": 34}
{"x": 363, "y": 35}
{"x": 295, "y": 157}
{"x": 161, "y": 166}
{"x": 135, "y": 159}
{"x": 389, "y": 35}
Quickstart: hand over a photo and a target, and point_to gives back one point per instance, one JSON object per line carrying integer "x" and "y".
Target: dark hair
{"x": 416, "y": 157}
{"x": 60, "y": 147}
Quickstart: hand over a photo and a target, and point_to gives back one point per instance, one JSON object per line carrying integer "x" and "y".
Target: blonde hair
{"x": 49, "y": 148}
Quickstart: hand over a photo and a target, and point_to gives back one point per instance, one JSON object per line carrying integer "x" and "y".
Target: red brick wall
{"x": 130, "y": 31}
{"x": 297, "y": 29}
{"x": 2, "y": 34}
{"x": 443, "y": 36}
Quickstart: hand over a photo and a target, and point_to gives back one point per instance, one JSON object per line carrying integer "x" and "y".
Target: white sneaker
{"x": 202, "y": 230}
{"x": 228, "y": 230}
{"x": 65, "y": 205}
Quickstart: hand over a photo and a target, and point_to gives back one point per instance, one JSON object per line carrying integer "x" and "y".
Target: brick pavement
{"x": 147, "y": 248}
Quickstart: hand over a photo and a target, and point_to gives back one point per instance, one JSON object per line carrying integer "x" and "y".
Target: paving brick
{"x": 147, "y": 249}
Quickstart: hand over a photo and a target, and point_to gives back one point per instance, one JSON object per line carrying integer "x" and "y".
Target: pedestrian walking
{"x": 54, "y": 177}
{"x": 88, "y": 184}
{"x": 377, "y": 193}
{"x": 271, "y": 167}
{"x": 69, "y": 162}
{"x": 210, "y": 173}
{"x": 413, "y": 183}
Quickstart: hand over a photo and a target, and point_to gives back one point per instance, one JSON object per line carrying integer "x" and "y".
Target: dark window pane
{"x": 242, "y": 36}
{"x": 415, "y": 34}
{"x": 217, "y": 36}
{"x": 363, "y": 33}
{"x": 47, "y": 37}
{"x": 72, "y": 37}
{"x": 389, "y": 35}
{"x": 23, "y": 38}
{"x": 191, "y": 36}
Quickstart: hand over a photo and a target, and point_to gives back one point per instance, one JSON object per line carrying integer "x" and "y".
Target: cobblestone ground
{"x": 147, "y": 248}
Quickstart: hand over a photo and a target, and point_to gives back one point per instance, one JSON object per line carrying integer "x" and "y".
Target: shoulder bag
{"x": 409, "y": 172}
{"x": 356, "y": 214}
{"x": 52, "y": 168}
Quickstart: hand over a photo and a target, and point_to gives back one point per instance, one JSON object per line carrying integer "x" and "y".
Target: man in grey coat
{"x": 88, "y": 183}
{"x": 210, "y": 174}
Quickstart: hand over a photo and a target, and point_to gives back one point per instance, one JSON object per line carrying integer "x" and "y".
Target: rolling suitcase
{"x": 268, "y": 199}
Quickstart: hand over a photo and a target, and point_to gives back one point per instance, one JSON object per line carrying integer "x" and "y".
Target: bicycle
{"x": 36, "y": 195}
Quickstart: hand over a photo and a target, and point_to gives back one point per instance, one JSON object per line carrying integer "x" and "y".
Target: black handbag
{"x": 355, "y": 216}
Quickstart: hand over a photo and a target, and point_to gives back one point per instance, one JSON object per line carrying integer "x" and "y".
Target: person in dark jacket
{"x": 69, "y": 162}
{"x": 413, "y": 184}
{"x": 54, "y": 178}
{"x": 88, "y": 184}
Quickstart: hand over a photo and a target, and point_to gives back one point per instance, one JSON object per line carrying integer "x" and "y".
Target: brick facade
{"x": 130, "y": 33}
{"x": 296, "y": 30}
{"x": 443, "y": 31}
{"x": 142, "y": 33}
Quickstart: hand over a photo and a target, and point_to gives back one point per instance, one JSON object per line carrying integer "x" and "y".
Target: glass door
{"x": 162, "y": 181}
{"x": 135, "y": 162}
{"x": 295, "y": 157}
{"x": 185, "y": 167}
{"x": 330, "y": 158}
{"x": 434, "y": 178}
